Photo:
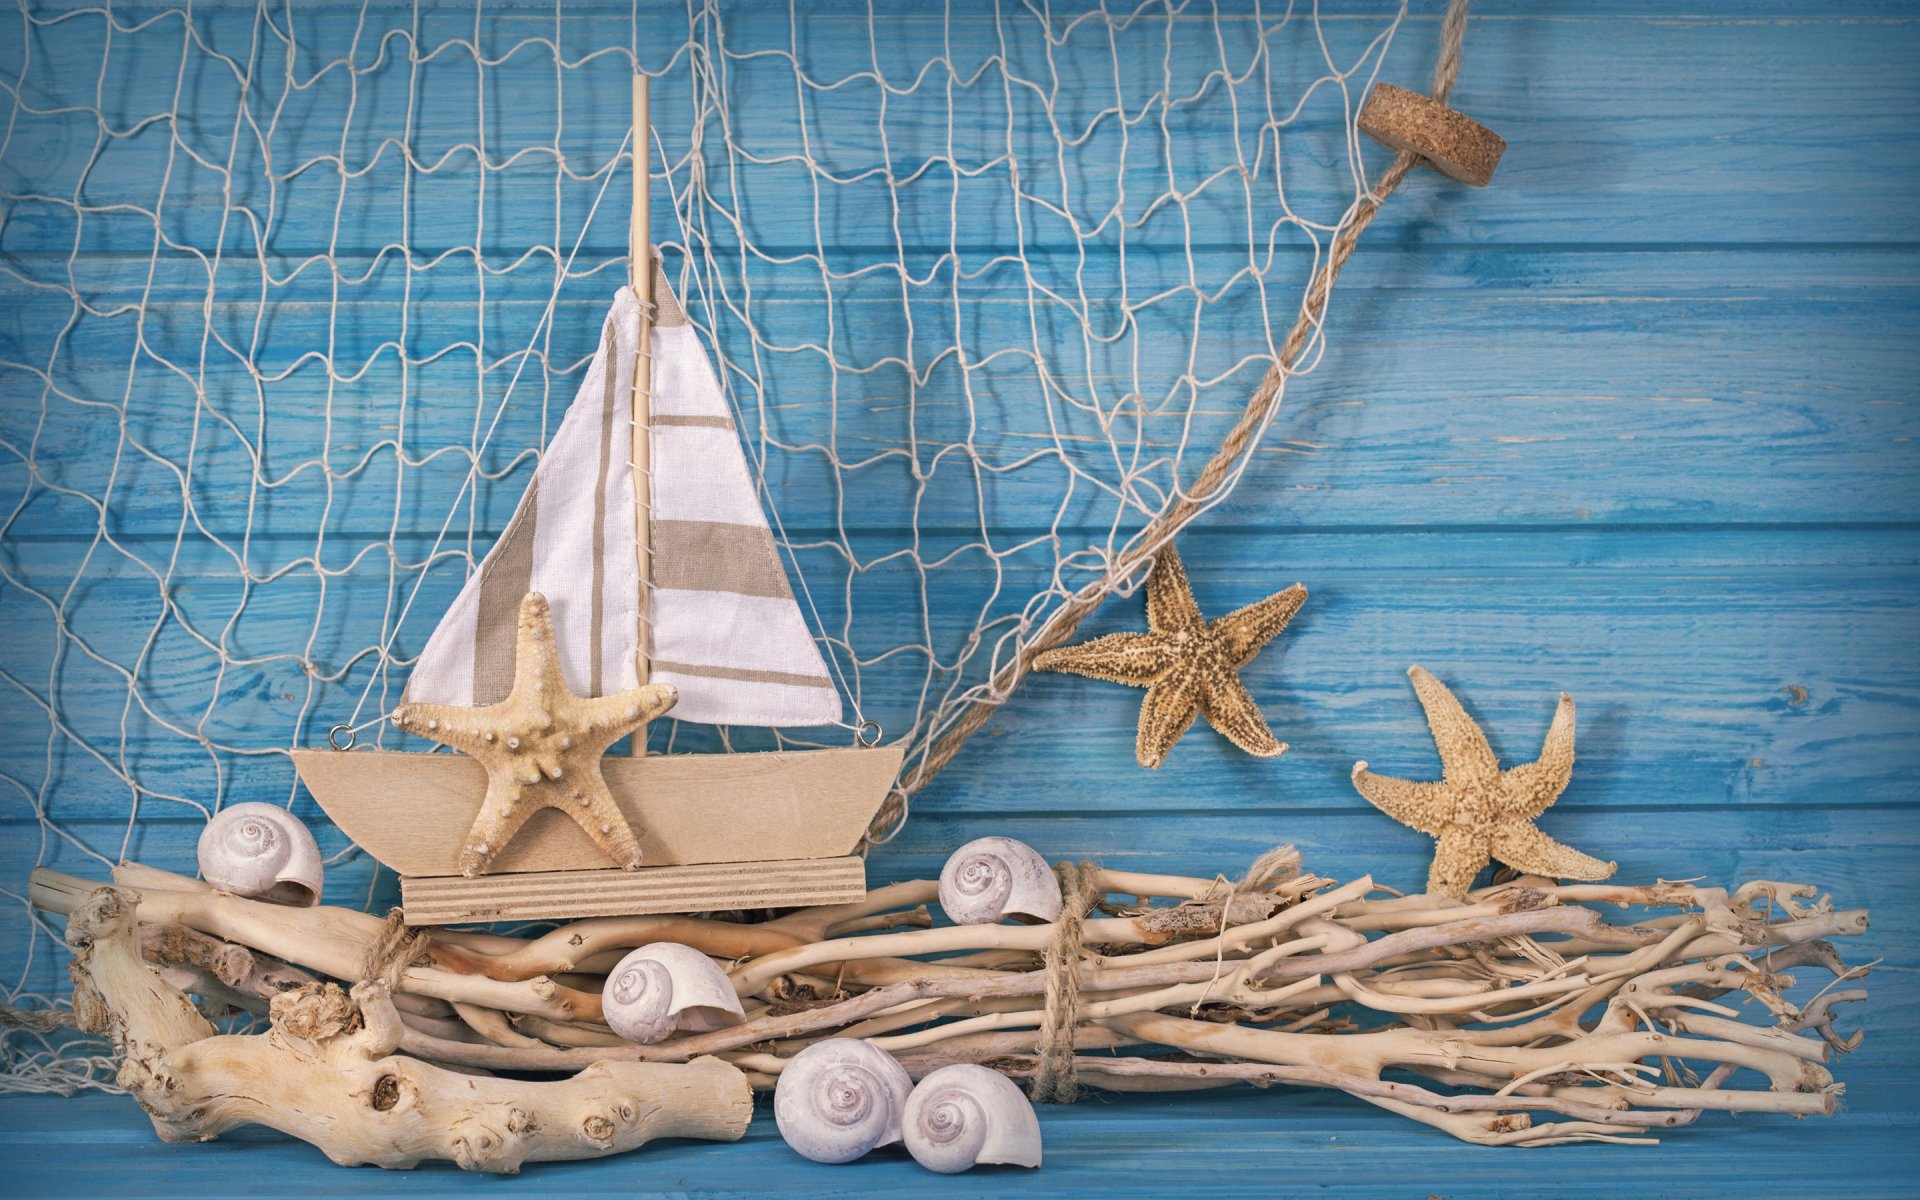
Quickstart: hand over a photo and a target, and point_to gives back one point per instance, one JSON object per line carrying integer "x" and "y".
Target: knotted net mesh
{"x": 293, "y": 297}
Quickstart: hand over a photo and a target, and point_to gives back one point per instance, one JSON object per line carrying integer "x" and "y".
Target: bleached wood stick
{"x": 1131, "y": 989}
{"x": 1805, "y": 1085}
{"x": 579, "y": 944}
{"x": 812, "y": 924}
{"x": 332, "y": 941}
{"x": 1262, "y": 1074}
{"x": 751, "y": 977}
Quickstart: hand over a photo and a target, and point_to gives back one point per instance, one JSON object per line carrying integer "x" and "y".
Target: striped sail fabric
{"x": 725, "y": 629}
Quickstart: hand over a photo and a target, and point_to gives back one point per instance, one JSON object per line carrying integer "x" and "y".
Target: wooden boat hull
{"x": 412, "y": 811}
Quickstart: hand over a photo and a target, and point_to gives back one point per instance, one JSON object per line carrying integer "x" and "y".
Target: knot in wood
{"x": 1525, "y": 899}
{"x": 597, "y": 1130}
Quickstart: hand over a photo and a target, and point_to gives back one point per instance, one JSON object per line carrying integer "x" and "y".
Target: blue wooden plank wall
{"x": 1637, "y": 422}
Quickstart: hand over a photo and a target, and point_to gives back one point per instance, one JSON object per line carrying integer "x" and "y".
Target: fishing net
{"x": 293, "y": 298}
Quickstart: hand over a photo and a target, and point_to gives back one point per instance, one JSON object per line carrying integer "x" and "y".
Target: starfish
{"x": 541, "y": 747}
{"x": 1480, "y": 812}
{"x": 1188, "y": 664}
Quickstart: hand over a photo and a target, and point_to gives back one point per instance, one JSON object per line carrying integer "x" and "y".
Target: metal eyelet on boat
{"x": 333, "y": 737}
{"x": 861, "y": 735}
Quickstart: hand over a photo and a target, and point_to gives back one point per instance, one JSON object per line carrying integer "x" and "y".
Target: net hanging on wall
{"x": 293, "y": 298}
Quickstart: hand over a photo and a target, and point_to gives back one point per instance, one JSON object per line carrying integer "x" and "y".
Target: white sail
{"x": 723, "y": 626}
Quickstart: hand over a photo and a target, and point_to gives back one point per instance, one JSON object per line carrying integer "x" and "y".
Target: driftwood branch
{"x": 1544, "y": 1020}
{"x": 328, "y": 1072}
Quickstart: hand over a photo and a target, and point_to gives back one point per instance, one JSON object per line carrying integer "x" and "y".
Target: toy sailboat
{"x": 643, "y": 529}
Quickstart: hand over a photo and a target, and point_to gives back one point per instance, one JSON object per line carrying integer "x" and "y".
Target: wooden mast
{"x": 640, "y": 271}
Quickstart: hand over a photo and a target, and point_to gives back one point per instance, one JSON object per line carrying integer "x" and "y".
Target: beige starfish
{"x": 1188, "y": 664}
{"x": 1481, "y": 812}
{"x": 541, "y": 747}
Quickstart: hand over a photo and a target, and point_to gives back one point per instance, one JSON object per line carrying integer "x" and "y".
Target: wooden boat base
{"x": 610, "y": 892}
{"x": 412, "y": 811}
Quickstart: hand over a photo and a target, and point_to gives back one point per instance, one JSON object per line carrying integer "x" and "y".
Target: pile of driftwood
{"x": 1519, "y": 1016}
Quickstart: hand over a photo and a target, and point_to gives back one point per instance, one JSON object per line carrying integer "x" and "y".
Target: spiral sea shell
{"x": 839, "y": 1099}
{"x": 667, "y": 986}
{"x": 965, "y": 1114}
{"x": 262, "y": 852}
{"x": 990, "y": 878}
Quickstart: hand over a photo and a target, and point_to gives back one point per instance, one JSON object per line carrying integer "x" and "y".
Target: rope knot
{"x": 397, "y": 948}
{"x": 1055, "y": 1078}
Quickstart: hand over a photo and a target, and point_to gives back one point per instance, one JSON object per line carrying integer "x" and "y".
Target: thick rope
{"x": 1055, "y": 1075}
{"x": 396, "y": 949}
{"x": 1164, "y": 528}
{"x": 1055, "y": 1078}
{"x": 40, "y": 1020}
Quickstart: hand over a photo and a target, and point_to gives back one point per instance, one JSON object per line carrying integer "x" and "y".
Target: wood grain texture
{"x": 547, "y": 895}
{"x": 1637, "y": 422}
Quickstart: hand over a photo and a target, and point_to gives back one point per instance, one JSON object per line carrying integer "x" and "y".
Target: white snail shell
{"x": 263, "y": 852}
{"x": 990, "y": 878}
{"x": 667, "y": 986}
{"x": 839, "y": 1099}
{"x": 964, "y": 1115}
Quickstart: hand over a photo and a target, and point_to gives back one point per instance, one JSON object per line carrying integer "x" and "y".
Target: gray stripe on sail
{"x": 667, "y": 313}
{"x": 504, "y": 581}
{"x": 743, "y": 675}
{"x": 597, "y": 613}
{"x": 718, "y": 556}
{"x": 664, "y": 420}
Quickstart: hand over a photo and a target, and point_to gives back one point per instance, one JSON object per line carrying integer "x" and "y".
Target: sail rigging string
{"x": 867, "y": 732}
{"x": 344, "y": 736}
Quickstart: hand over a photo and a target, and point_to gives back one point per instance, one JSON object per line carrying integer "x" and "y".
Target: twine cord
{"x": 397, "y": 948}
{"x": 1055, "y": 1077}
{"x": 40, "y": 1020}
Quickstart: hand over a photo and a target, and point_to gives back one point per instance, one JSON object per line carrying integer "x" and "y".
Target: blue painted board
{"x": 1819, "y": 714}
{"x": 1637, "y": 422}
{"x": 1299, "y": 1143}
